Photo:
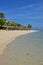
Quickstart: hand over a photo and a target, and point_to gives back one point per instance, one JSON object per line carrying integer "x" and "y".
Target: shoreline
{"x": 6, "y": 37}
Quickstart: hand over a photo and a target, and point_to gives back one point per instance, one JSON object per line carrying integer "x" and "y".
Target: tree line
{"x": 5, "y": 24}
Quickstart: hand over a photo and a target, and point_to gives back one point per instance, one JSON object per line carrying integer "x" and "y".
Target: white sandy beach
{"x": 6, "y": 37}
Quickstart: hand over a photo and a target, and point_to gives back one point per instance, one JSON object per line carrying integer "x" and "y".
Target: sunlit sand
{"x": 6, "y": 37}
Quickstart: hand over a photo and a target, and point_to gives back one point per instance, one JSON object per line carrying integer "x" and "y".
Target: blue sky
{"x": 24, "y": 11}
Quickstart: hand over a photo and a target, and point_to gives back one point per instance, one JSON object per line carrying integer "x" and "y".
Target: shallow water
{"x": 25, "y": 50}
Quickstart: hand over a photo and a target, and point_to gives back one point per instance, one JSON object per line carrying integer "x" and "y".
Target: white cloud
{"x": 28, "y": 6}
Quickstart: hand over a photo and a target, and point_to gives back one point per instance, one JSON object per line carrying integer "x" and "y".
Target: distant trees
{"x": 29, "y": 26}
{"x": 13, "y": 24}
{"x": 23, "y": 27}
{"x": 19, "y": 26}
{"x": 7, "y": 24}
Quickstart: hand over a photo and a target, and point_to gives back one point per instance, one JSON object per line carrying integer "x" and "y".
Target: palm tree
{"x": 2, "y": 16}
{"x": 29, "y": 26}
{"x": 2, "y": 19}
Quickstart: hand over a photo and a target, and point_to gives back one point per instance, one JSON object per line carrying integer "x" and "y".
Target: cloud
{"x": 37, "y": 6}
{"x": 35, "y": 13}
{"x": 31, "y": 5}
{"x": 28, "y": 6}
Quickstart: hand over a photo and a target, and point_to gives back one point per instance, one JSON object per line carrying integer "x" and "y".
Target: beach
{"x": 25, "y": 49}
{"x": 6, "y": 37}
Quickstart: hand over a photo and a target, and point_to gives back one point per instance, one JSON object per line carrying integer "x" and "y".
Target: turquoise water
{"x": 25, "y": 50}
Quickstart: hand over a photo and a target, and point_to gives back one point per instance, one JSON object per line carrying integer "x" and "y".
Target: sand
{"x": 6, "y": 37}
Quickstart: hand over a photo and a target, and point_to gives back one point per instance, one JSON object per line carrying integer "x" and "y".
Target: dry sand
{"x": 6, "y": 37}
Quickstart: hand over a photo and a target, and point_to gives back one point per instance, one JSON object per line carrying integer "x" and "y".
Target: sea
{"x": 24, "y": 50}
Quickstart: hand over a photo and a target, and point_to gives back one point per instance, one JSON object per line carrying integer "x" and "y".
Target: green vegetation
{"x": 5, "y": 24}
{"x": 29, "y": 26}
{"x": 2, "y": 16}
{"x": 13, "y": 24}
{"x": 2, "y": 19}
{"x": 1, "y": 22}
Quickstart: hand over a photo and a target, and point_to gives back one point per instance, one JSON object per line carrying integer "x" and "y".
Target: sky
{"x": 24, "y": 12}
